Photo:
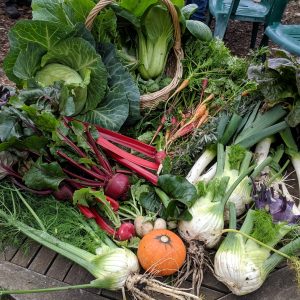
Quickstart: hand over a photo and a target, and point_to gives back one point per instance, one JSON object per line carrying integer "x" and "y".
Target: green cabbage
{"x": 42, "y": 53}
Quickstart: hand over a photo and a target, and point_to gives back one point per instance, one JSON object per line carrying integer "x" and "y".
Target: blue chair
{"x": 242, "y": 10}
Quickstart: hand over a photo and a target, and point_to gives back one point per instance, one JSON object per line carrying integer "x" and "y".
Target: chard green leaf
{"x": 44, "y": 175}
{"x": 151, "y": 202}
{"x": 172, "y": 202}
{"x": 86, "y": 197}
{"x": 34, "y": 142}
{"x": 7, "y": 160}
{"x": 43, "y": 120}
{"x": 293, "y": 118}
{"x": 9, "y": 125}
{"x": 178, "y": 188}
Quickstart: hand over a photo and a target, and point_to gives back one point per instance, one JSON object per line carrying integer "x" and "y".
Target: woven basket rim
{"x": 152, "y": 99}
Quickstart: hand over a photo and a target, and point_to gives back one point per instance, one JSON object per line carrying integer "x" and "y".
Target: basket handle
{"x": 172, "y": 10}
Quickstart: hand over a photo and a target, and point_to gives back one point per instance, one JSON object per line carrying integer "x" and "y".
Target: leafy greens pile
{"x": 279, "y": 82}
{"x": 55, "y": 49}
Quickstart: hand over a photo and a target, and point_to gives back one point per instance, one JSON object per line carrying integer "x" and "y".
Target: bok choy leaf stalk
{"x": 113, "y": 267}
{"x": 244, "y": 260}
{"x": 154, "y": 41}
{"x": 246, "y": 132}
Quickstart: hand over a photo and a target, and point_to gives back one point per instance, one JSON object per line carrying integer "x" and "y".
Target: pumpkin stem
{"x": 165, "y": 239}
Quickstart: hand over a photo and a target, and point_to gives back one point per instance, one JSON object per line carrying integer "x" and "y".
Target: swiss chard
{"x": 279, "y": 82}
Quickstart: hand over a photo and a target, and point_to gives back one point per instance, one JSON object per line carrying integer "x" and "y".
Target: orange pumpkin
{"x": 161, "y": 252}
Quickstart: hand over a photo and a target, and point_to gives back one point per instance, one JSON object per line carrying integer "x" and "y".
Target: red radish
{"x": 117, "y": 187}
{"x": 126, "y": 231}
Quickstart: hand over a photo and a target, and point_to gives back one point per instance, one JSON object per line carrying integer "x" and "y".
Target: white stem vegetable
{"x": 209, "y": 175}
{"x": 243, "y": 263}
{"x": 207, "y": 212}
{"x": 200, "y": 165}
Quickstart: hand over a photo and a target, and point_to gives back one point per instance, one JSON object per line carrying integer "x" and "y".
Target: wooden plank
{"x": 207, "y": 293}
{"x": 280, "y": 285}
{"x": 8, "y": 253}
{"x": 26, "y": 253}
{"x": 78, "y": 275}
{"x": 28, "y": 280}
{"x": 42, "y": 260}
{"x": 210, "y": 281}
{"x": 114, "y": 295}
{"x": 59, "y": 268}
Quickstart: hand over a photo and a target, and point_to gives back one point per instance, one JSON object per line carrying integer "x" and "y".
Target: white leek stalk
{"x": 200, "y": 165}
{"x": 209, "y": 175}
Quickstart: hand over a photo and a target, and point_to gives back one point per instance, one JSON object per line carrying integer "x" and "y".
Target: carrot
{"x": 159, "y": 128}
{"x": 202, "y": 119}
{"x": 182, "y": 86}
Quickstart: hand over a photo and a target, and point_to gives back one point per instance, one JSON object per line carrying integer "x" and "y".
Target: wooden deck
{"x": 41, "y": 267}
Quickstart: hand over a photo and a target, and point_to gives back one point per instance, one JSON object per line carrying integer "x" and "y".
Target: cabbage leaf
{"x": 122, "y": 97}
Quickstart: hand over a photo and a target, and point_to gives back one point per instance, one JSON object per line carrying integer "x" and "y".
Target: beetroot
{"x": 118, "y": 186}
{"x": 64, "y": 193}
{"x": 126, "y": 231}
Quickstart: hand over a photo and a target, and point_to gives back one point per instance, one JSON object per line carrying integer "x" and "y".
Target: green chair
{"x": 242, "y": 10}
{"x": 285, "y": 36}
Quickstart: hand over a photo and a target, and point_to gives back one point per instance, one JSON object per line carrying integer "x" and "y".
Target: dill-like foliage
{"x": 60, "y": 219}
{"x": 264, "y": 229}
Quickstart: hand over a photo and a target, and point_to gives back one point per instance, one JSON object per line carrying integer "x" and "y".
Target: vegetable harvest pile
{"x": 196, "y": 182}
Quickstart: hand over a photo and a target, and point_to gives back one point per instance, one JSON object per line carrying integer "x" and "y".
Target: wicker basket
{"x": 153, "y": 99}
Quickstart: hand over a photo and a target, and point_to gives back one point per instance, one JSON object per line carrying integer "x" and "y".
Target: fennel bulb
{"x": 207, "y": 212}
{"x": 244, "y": 260}
{"x": 207, "y": 222}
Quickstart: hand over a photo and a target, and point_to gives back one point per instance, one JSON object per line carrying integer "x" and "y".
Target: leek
{"x": 248, "y": 131}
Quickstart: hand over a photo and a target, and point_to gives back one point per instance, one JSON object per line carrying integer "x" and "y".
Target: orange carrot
{"x": 202, "y": 119}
